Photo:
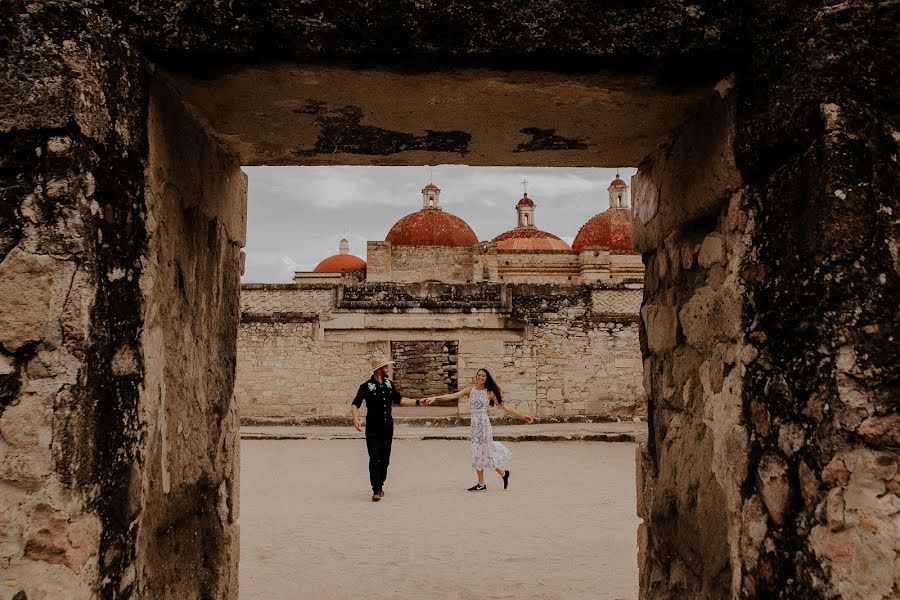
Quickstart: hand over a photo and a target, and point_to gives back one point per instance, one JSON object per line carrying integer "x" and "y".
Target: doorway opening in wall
{"x": 444, "y": 270}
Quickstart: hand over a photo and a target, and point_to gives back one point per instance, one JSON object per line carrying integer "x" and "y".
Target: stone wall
{"x": 537, "y": 267}
{"x": 767, "y": 341}
{"x": 196, "y": 207}
{"x": 557, "y": 351}
{"x": 425, "y": 368}
{"x": 814, "y": 140}
{"x": 414, "y": 264}
{"x": 72, "y": 241}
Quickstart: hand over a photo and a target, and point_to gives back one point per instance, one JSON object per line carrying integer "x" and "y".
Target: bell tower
{"x": 431, "y": 197}
{"x": 618, "y": 193}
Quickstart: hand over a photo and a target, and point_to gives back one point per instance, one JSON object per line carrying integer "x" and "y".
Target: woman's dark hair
{"x": 491, "y": 386}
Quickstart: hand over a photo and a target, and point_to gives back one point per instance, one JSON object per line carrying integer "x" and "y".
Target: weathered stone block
{"x": 690, "y": 177}
{"x": 25, "y": 283}
{"x": 55, "y": 539}
{"x": 774, "y": 486}
{"x": 661, "y": 325}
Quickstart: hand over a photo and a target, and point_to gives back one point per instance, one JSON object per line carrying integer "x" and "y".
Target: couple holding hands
{"x": 380, "y": 394}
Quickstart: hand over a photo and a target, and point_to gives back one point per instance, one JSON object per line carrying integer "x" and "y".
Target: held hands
{"x": 427, "y": 401}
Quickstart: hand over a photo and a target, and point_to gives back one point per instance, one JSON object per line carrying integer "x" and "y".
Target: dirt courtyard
{"x": 566, "y": 527}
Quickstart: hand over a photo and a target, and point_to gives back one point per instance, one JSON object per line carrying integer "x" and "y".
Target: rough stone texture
{"x": 484, "y": 262}
{"x": 425, "y": 368}
{"x": 688, "y": 177}
{"x": 805, "y": 176}
{"x": 25, "y": 282}
{"x": 813, "y": 139}
{"x": 312, "y": 113}
{"x": 697, "y": 519}
{"x": 555, "y": 350}
{"x": 188, "y": 501}
{"x": 55, "y": 539}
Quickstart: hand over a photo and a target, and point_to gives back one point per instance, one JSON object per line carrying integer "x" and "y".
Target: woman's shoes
{"x": 506, "y": 480}
{"x": 477, "y": 488}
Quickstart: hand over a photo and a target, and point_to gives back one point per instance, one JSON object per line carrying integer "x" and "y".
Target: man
{"x": 380, "y": 395}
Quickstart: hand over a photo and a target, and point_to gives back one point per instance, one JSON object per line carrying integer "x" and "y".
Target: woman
{"x": 486, "y": 453}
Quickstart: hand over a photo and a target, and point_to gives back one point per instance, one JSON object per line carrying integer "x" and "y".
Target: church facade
{"x": 556, "y": 325}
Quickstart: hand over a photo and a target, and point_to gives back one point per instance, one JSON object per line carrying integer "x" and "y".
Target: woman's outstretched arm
{"x": 514, "y": 412}
{"x": 447, "y": 397}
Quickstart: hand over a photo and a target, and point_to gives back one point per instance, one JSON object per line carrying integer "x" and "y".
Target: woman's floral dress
{"x": 486, "y": 453}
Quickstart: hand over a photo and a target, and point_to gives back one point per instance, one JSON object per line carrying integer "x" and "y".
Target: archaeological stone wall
{"x": 425, "y": 368}
{"x": 804, "y": 457}
{"x": 412, "y": 264}
{"x": 557, "y": 351}
{"x": 537, "y": 267}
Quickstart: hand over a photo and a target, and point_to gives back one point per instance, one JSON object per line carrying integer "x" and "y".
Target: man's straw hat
{"x": 380, "y": 361}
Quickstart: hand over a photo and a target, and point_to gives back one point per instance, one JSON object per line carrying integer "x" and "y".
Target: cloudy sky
{"x": 297, "y": 215}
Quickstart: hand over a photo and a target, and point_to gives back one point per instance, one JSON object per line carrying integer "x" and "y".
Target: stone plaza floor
{"x": 566, "y": 528}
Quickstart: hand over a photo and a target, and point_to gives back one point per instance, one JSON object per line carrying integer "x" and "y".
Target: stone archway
{"x": 764, "y": 217}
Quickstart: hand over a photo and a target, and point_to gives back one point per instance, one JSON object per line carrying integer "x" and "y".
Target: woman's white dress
{"x": 486, "y": 453}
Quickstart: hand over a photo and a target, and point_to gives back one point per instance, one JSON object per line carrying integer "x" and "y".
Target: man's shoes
{"x": 376, "y": 496}
{"x": 506, "y": 480}
{"x": 381, "y": 493}
{"x": 477, "y": 488}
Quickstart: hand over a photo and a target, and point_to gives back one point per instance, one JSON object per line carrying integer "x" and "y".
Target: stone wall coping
{"x": 278, "y": 317}
{"x": 627, "y": 283}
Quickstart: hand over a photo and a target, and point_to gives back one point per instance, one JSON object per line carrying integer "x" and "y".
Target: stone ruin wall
{"x": 814, "y": 141}
{"x": 118, "y": 434}
{"x": 413, "y": 264}
{"x": 546, "y": 267}
{"x": 792, "y": 487}
{"x": 426, "y": 368}
{"x": 580, "y": 358}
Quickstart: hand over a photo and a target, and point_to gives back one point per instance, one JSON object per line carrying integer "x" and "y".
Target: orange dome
{"x": 617, "y": 183}
{"x": 340, "y": 262}
{"x": 430, "y": 227}
{"x": 610, "y": 230}
{"x": 529, "y": 238}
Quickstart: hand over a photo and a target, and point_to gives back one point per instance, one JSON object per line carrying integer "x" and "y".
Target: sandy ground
{"x": 565, "y": 529}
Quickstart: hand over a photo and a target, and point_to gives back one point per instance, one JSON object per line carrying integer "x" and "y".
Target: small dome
{"x": 617, "y": 183}
{"x": 340, "y": 262}
{"x": 525, "y": 201}
{"x": 343, "y": 261}
{"x": 430, "y": 227}
{"x": 529, "y": 238}
{"x": 431, "y": 186}
{"x": 610, "y": 230}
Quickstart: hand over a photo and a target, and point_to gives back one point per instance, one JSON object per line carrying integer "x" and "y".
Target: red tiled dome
{"x": 430, "y": 227}
{"x": 529, "y": 238}
{"x": 617, "y": 183}
{"x": 525, "y": 201}
{"x": 340, "y": 262}
{"x": 431, "y": 186}
{"x": 610, "y": 230}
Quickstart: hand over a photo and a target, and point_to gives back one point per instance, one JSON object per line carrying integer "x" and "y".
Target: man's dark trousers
{"x": 378, "y": 442}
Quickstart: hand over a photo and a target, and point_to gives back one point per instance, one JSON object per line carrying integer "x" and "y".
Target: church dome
{"x": 431, "y": 226}
{"x": 529, "y": 238}
{"x": 616, "y": 183}
{"x": 610, "y": 230}
{"x": 526, "y": 236}
{"x": 344, "y": 261}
